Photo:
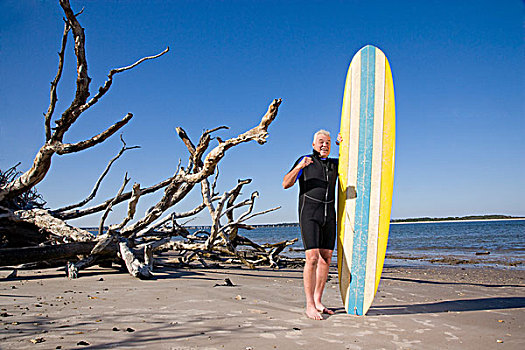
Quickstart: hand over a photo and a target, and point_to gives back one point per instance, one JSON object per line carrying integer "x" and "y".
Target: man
{"x": 317, "y": 175}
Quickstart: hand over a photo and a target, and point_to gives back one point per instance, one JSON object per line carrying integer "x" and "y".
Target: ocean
{"x": 467, "y": 243}
{"x": 484, "y": 243}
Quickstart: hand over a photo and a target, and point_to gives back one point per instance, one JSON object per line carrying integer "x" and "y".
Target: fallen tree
{"x": 25, "y": 222}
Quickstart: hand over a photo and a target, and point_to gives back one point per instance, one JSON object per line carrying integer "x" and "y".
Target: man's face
{"x": 322, "y": 145}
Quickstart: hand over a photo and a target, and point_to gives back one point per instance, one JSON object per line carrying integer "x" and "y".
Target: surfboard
{"x": 366, "y": 177}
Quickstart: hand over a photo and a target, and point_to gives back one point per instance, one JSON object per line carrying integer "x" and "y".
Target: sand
{"x": 415, "y": 308}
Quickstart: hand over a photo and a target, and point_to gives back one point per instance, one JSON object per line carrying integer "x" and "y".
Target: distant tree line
{"x": 458, "y": 218}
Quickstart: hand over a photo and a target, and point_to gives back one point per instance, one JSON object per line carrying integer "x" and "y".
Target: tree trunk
{"x": 17, "y": 256}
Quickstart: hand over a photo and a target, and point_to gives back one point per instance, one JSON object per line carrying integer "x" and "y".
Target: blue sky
{"x": 458, "y": 70}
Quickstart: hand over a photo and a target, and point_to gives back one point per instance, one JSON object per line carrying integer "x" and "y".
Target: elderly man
{"x": 317, "y": 175}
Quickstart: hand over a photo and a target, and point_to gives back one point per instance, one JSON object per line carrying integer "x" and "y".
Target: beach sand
{"x": 415, "y": 308}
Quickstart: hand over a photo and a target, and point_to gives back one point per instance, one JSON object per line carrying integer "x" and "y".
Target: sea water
{"x": 495, "y": 243}
{"x": 479, "y": 243}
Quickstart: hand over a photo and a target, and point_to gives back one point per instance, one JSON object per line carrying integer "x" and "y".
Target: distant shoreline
{"x": 458, "y": 220}
{"x": 400, "y": 221}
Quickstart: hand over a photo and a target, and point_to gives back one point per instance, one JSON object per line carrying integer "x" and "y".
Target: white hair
{"x": 321, "y": 132}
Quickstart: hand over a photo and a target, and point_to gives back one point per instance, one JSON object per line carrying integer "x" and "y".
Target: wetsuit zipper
{"x": 325, "y": 169}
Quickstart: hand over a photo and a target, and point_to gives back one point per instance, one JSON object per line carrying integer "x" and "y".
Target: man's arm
{"x": 291, "y": 177}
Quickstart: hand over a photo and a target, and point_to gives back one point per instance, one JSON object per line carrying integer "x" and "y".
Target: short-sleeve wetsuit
{"x": 317, "y": 202}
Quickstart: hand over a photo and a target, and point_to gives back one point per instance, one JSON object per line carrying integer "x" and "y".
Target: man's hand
{"x": 339, "y": 139}
{"x": 289, "y": 179}
{"x": 305, "y": 162}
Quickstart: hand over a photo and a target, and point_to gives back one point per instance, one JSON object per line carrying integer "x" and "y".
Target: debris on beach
{"x": 257, "y": 311}
{"x": 483, "y": 253}
{"x": 11, "y": 275}
{"x": 37, "y": 340}
{"x": 227, "y": 283}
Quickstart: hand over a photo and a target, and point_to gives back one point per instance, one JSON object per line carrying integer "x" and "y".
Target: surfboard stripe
{"x": 375, "y": 185}
{"x": 364, "y": 173}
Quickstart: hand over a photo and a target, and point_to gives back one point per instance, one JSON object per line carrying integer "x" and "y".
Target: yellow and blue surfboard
{"x": 366, "y": 176}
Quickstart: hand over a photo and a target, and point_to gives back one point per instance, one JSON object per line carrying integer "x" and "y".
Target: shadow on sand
{"x": 452, "y": 283}
{"x": 450, "y": 306}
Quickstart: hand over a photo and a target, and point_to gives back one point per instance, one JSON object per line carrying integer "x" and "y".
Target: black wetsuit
{"x": 317, "y": 202}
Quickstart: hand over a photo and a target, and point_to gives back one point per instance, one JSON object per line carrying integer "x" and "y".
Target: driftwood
{"x": 23, "y": 217}
{"x": 10, "y": 191}
{"x": 266, "y": 254}
{"x": 16, "y": 256}
{"x": 185, "y": 180}
{"x": 42, "y": 221}
{"x": 224, "y": 239}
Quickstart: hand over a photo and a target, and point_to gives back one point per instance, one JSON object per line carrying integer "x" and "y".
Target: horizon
{"x": 392, "y": 221}
{"x": 458, "y": 80}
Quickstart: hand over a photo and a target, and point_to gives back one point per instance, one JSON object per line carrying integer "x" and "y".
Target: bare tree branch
{"x": 197, "y": 152}
{"x": 83, "y": 80}
{"x": 64, "y": 148}
{"x": 73, "y": 214}
{"x": 132, "y": 206}
{"x": 250, "y": 216}
{"x": 214, "y": 184}
{"x": 254, "y": 195}
{"x": 189, "y": 145}
{"x": 259, "y": 134}
{"x": 167, "y": 218}
{"x": 260, "y": 213}
{"x": 230, "y": 205}
{"x": 229, "y": 210}
{"x": 30, "y": 178}
{"x": 183, "y": 182}
{"x": 186, "y": 140}
{"x": 204, "y": 142}
{"x": 53, "y": 93}
{"x": 99, "y": 181}
{"x": 216, "y": 213}
{"x": 26, "y": 200}
{"x": 104, "y": 88}
{"x": 42, "y": 161}
{"x": 108, "y": 209}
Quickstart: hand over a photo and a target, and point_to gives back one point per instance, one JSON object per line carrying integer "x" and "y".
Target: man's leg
{"x": 309, "y": 279}
{"x": 323, "y": 267}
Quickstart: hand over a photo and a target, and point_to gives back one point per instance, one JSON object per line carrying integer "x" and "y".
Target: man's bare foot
{"x": 322, "y": 309}
{"x": 327, "y": 311}
{"x": 313, "y": 313}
